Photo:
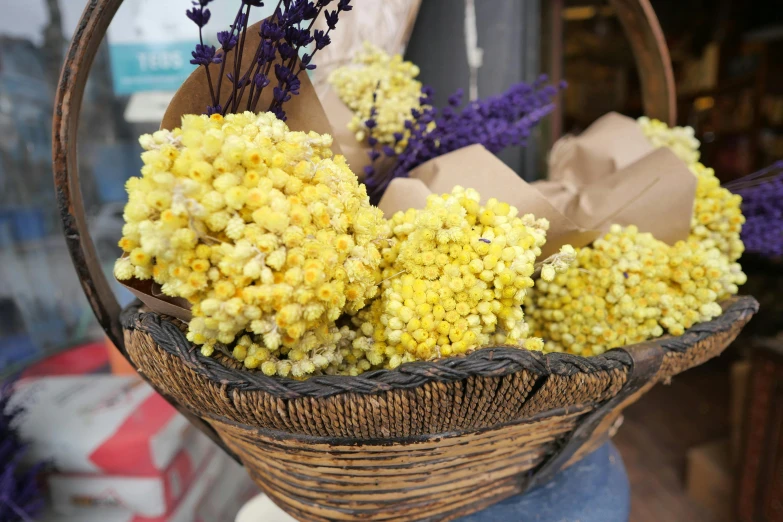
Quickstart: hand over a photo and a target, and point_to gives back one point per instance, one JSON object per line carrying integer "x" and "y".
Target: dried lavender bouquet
{"x": 762, "y": 206}
{"x": 279, "y": 58}
{"x": 496, "y": 122}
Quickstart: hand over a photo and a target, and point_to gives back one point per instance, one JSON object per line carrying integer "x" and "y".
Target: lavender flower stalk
{"x": 496, "y": 122}
{"x": 762, "y": 205}
{"x": 21, "y": 500}
{"x": 283, "y": 36}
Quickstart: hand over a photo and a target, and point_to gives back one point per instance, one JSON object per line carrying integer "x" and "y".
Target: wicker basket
{"x": 427, "y": 441}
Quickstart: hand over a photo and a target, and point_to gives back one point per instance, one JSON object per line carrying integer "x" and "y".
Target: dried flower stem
{"x": 206, "y": 68}
{"x": 282, "y": 39}
{"x": 234, "y": 27}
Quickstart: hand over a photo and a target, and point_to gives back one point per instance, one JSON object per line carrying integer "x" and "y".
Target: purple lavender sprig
{"x": 496, "y": 122}
{"x": 283, "y": 36}
{"x": 296, "y": 38}
{"x": 762, "y": 206}
{"x": 204, "y": 54}
{"x": 21, "y": 499}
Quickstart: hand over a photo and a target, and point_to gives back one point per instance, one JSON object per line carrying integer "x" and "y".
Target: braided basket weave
{"x": 427, "y": 441}
{"x": 430, "y": 440}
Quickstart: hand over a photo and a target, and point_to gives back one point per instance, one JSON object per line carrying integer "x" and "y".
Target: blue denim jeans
{"x": 596, "y": 489}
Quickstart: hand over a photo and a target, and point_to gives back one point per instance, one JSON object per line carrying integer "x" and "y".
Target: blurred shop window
{"x": 137, "y": 68}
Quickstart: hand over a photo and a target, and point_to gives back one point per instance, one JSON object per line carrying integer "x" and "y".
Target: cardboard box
{"x": 107, "y": 425}
{"x": 79, "y": 360}
{"x": 710, "y": 479}
{"x": 149, "y": 496}
{"x": 217, "y": 494}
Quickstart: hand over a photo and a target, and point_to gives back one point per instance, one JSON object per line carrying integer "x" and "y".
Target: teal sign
{"x": 150, "y": 66}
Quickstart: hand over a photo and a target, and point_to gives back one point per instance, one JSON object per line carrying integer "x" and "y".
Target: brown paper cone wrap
{"x": 148, "y": 292}
{"x": 610, "y": 174}
{"x": 339, "y": 116}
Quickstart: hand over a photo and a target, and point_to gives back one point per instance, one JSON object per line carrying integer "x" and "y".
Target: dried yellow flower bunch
{"x": 680, "y": 140}
{"x": 455, "y": 277}
{"x": 629, "y": 287}
{"x": 262, "y": 230}
{"x": 626, "y": 288}
{"x": 717, "y": 218}
{"x": 391, "y": 80}
{"x": 323, "y": 350}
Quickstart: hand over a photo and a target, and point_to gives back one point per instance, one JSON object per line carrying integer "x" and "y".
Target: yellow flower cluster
{"x": 327, "y": 349}
{"x": 455, "y": 277}
{"x": 626, "y": 288}
{"x": 391, "y": 79}
{"x": 680, "y": 140}
{"x": 717, "y": 219}
{"x": 262, "y": 230}
{"x": 629, "y": 287}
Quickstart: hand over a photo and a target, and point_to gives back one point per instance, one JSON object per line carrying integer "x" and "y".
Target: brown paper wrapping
{"x": 148, "y": 292}
{"x": 610, "y": 174}
{"x": 339, "y": 116}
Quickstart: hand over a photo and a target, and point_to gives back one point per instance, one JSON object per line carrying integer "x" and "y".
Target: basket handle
{"x": 65, "y": 125}
{"x": 87, "y": 37}
{"x": 652, "y": 58}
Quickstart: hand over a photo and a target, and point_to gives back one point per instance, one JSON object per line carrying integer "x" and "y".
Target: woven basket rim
{"x": 487, "y": 362}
